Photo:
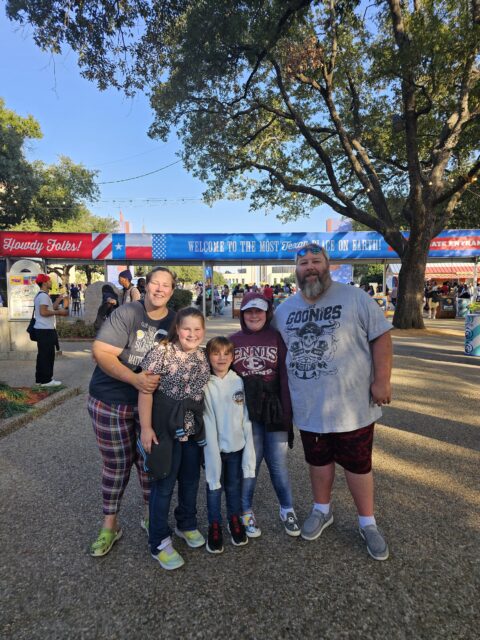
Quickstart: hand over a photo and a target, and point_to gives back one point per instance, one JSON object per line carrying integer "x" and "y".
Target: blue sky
{"x": 108, "y": 132}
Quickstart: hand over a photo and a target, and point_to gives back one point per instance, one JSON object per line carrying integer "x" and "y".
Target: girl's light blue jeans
{"x": 271, "y": 446}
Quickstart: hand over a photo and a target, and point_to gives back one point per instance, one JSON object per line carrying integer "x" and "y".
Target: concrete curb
{"x": 9, "y": 425}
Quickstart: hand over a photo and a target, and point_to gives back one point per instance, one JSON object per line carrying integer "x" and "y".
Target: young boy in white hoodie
{"x": 229, "y": 453}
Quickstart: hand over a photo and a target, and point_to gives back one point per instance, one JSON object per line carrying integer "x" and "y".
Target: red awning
{"x": 446, "y": 270}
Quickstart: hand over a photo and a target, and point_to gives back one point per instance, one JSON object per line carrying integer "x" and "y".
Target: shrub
{"x": 181, "y": 298}
{"x": 77, "y": 329}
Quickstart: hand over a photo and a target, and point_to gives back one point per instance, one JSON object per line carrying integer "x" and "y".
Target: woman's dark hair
{"x": 107, "y": 288}
{"x": 172, "y": 335}
{"x": 157, "y": 269}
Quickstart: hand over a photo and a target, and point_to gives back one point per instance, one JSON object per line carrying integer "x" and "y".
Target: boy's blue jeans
{"x": 186, "y": 458}
{"x": 271, "y": 446}
{"x": 231, "y": 481}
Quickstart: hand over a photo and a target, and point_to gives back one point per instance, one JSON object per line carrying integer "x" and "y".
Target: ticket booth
{"x": 236, "y": 304}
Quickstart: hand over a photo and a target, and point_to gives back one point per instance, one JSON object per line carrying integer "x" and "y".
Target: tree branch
{"x": 461, "y": 184}
{"x": 348, "y": 209}
{"x": 295, "y": 6}
{"x": 455, "y": 122}
{"x": 256, "y": 133}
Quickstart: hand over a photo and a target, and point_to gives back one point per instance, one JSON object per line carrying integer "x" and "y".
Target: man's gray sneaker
{"x": 376, "y": 545}
{"x": 291, "y": 524}
{"x": 315, "y": 524}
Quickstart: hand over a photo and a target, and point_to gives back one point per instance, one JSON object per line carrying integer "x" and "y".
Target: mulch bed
{"x": 14, "y": 400}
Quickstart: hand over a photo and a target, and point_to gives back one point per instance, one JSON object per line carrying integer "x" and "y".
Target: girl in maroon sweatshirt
{"x": 260, "y": 359}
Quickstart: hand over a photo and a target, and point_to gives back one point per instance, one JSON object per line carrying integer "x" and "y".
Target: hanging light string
{"x": 143, "y": 175}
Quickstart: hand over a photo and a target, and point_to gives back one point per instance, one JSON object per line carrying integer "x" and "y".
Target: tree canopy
{"x": 18, "y": 179}
{"x": 83, "y": 221}
{"x": 34, "y": 192}
{"x": 372, "y": 109}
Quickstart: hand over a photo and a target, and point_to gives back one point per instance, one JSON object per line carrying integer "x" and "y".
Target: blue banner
{"x": 342, "y": 245}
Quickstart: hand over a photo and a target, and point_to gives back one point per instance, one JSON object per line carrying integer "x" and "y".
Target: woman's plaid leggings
{"x": 117, "y": 428}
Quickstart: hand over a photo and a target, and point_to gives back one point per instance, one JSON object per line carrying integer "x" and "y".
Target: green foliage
{"x": 83, "y": 221}
{"x": 11, "y": 393}
{"x": 187, "y": 274}
{"x": 37, "y": 195}
{"x": 181, "y": 298}
{"x": 89, "y": 270}
{"x": 13, "y": 400}
{"x": 367, "y": 273}
{"x": 77, "y": 329}
{"x": 18, "y": 180}
{"x": 218, "y": 279}
{"x": 467, "y": 213}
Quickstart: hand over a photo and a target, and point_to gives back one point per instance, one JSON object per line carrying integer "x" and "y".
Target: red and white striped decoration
{"x": 101, "y": 246}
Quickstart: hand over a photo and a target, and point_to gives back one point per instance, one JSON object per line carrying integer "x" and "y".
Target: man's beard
{"x": 314, "y": 288}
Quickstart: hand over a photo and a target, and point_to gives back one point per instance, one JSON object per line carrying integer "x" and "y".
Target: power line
{"x": 135, "y": 155}
{"x": 143, "y": 175}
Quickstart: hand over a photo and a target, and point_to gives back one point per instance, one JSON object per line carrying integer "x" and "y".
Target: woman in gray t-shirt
{"x": 124, "y": 339}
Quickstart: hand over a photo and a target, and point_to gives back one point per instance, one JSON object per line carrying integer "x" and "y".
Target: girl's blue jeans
{"x": 186, "y": 458}
{"x": 271, "y": 446}
{"x": 231, "y": 481}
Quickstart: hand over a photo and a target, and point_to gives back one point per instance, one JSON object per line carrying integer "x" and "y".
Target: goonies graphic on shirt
{"x": 312, "y": 345}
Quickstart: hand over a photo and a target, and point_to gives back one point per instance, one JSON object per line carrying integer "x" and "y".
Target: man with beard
{"x": 336, "y": 410}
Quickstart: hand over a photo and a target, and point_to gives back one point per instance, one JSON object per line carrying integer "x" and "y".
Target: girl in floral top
{"x": 173, "y": 433}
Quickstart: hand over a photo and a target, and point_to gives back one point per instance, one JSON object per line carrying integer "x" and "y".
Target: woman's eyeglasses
{"x": 310, "y": 248}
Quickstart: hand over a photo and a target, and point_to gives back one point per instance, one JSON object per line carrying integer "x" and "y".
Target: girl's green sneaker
{"x": 105, "y": 541}
{"x": 169, "y": 561}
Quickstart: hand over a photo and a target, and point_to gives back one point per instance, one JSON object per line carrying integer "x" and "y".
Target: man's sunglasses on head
{"x": 309, "y": 248}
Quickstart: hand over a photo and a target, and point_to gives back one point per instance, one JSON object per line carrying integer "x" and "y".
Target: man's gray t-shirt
{"x": 129, "y": 328}
{"x": 329, "y": 362}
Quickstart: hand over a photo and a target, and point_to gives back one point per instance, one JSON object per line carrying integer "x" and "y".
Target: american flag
{"x": 131, "y": 246}
{"x": 159, "y": 242}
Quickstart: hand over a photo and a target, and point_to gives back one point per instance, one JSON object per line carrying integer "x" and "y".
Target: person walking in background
{"x": 433, "y": 300}
{"x": 393, "y": 295}
{"x": 45, "y": 331}
{"x": 260, "y": 360}
{"x": 339, "y": 365}
{"x": 109, "y": 304}
{"x": 173, "y": 433}
{"x": 141, "y": 287}
{"x": 225, "y": 294}
{"x": 268, "y": 292}
{"x": 229, "y": 453}
{"x": 124, "y": 339}
{"x": 130, "y": 292}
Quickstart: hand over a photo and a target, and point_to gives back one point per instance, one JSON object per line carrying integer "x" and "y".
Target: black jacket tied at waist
{"x": 168, "y": 416}
{"x": 263, "y": 402}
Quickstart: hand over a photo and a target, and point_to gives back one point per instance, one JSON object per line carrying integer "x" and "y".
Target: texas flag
{"x": 131, "y": 246}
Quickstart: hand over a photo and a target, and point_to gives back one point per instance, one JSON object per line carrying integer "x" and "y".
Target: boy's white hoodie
{"x": 227, "y": 427}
